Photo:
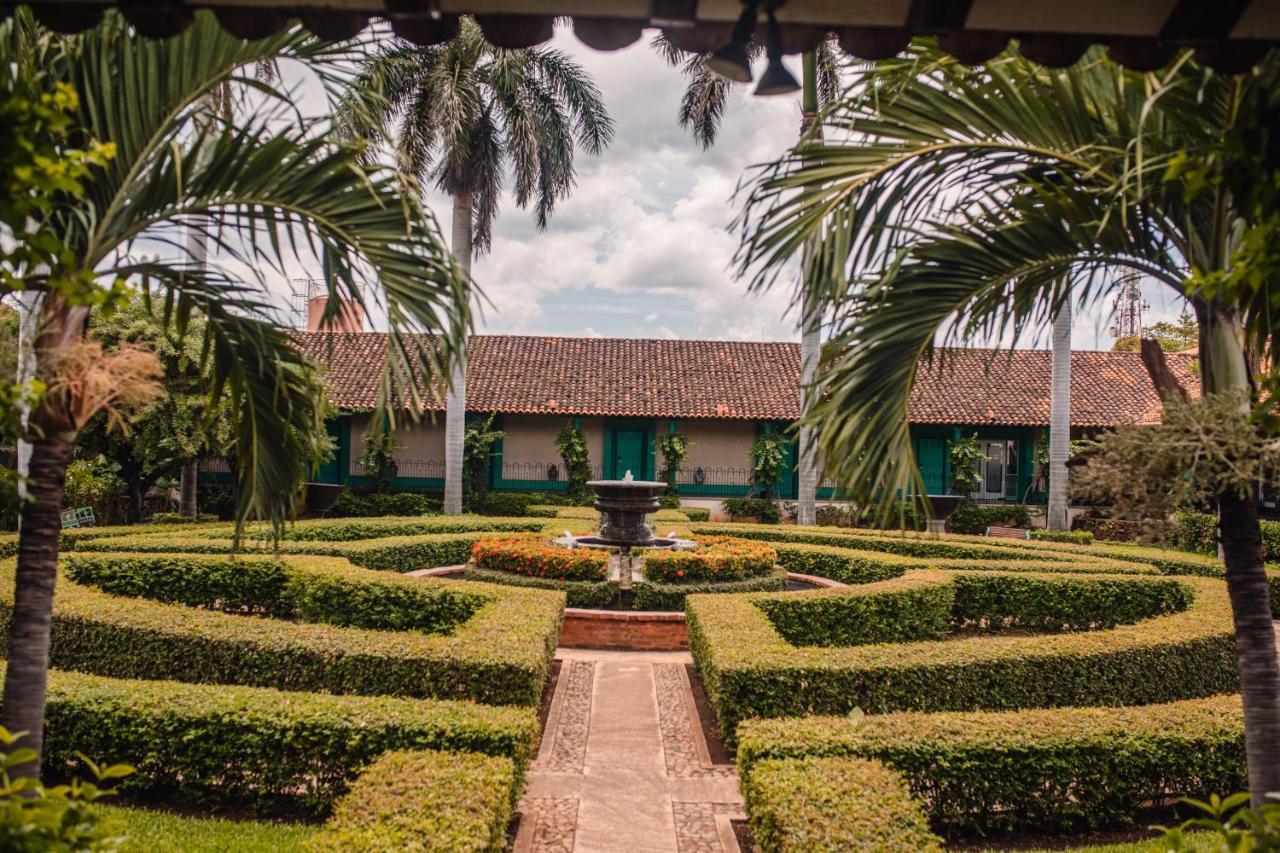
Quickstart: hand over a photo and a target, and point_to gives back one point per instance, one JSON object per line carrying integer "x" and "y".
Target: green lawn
{"x": 1201, "y": 842}
{"x": 149, "y": 831}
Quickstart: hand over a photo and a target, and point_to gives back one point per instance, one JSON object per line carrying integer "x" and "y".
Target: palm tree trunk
{"x": 187, "y": 507}
{"x": 27, "y": 673}
{"x": 1060, "y": 419}
{"x": 456, "y": 403}
{"x": 1223, "y": 368}
{"x": 810, "y": 333}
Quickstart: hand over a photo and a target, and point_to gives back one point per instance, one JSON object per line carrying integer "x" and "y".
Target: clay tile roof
{"x": 980, "y": 386}
{"x": 626, "y": 377}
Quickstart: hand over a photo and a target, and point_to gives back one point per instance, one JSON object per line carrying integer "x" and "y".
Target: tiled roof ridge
{"x": 756, "y": 380}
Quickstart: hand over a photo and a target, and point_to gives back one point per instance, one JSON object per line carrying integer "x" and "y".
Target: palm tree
{"x": 971, "y": 200}
{"x": 701, "y": 111}
{"x": 458, "y": 115}
{"x": 1060, "y": 418}
{"x": 263, "y": 190}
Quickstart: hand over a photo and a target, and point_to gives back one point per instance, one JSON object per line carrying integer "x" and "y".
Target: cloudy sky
{"x": 641, "y": 248}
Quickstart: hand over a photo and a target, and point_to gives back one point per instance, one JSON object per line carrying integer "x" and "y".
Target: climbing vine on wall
{"x": 966, "y": 456}
{"x": 768, "y": 453}
{"x": 572, "y": 445}
{"x": 673, "y": 447}
{"x": 477, "y": 449}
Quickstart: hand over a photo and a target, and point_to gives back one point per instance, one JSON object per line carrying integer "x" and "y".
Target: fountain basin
{"x": 623, "y": 506}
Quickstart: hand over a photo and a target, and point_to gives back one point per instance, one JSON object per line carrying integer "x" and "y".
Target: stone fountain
{"x": 624, "y": 507}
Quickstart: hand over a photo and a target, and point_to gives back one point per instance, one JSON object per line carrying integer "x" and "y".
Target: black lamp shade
{"x": 777, "y": 80}
{"x": 732, "y": 62}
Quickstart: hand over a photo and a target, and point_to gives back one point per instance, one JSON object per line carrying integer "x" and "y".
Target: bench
{"x": 1008, "y": 533}
{"x": 82, "y": 517}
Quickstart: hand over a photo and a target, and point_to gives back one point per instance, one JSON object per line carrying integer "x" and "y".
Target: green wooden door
{"x": 931, "y": 453}
{"x": 331, "y": 471}
{"x": 629, "y": 453}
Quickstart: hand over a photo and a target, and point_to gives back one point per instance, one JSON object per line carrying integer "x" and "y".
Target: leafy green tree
{"x": 266, "y": 189}
{"x": 460, "y": 115}
{"x": 178, "y": 427}
{"x": 1172, "y": 337}
{"x": 973, "y": 200}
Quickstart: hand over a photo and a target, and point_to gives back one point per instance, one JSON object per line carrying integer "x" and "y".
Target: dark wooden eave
{"x": 1228, "y": 35}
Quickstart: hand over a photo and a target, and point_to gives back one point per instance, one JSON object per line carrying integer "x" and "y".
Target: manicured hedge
{"x": 309, "y": 591}
{"x": 436, "y": 802}
{"x": 696, "y": 514}
{"x": 718, "y": 558}
{"x": 535, "y": 557}
{"x": 830, "y": 805}
{"x": 903, "y": 544}
{"x": 1078, "y": 537}
{"x": 1042, "y": 770}
{"x": 926, "y": 606}
{"x": 671, "y": 596}
{"x": 915, "y": 607}
{"x": 1198, "y": 531}
{"x": 353, "y": 529}
{"x": 353, "y": 505}
{"x": 501, "y": 655}
{"x": 392, "y": 553}
{"x": 750, "y": 670}
{"x": 973, "y": 518}
{"x": 262, "y": 749}
{"x": 644, "y": 595}
{"x": 591, "y": 594}
{"x": 843, "y": 564}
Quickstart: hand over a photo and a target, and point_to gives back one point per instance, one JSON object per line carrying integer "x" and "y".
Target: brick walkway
{"x": 623, "y": 764}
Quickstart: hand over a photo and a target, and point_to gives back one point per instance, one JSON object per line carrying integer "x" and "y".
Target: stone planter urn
{"x": 940, "y": 509}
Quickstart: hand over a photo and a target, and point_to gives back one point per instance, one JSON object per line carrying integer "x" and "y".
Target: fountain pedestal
{"x": 624, "y": 505}
{"x": 940, "y": 508}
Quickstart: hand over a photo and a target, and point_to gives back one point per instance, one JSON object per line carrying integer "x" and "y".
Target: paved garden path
{"x": 624, "y": 765}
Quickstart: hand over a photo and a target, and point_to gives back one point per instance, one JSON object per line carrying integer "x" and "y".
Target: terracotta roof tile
{"x": 624, "y": 377}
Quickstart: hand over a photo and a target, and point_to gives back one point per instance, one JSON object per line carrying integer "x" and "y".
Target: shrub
{"x": 310, "y": 592}
{"x": 217, "y": 500}
{"x": 394, "y": 553}
{"x": 503, "y": 503}
{"x": 1078, "y": 537}
{"x": 975, "y": 519}
{"x": 833, "y": 515}
{"x": 94, "y": 483}
{"x": 38, "y": 818}
{"x": 1198, "y": 532}
{"x": 1109, "y": 529}
{"x": 829, "y": 805}
{"x": 589, "y": 594}
{"x": 750, "y": 669}
{"x": 906, "y": 545}
{"x": 354, "y": 505}
{"x": 501, "y": 655}
{"x": 436, "y": 802}
{"x": 178, "y": 518}
{"x": 572, "y": 445}
{"x": 695, "y": 514}
{"x": 1042, "y": 770}
{"x": 842, "y": 564}
{"x": 718, "y": 558}
{"x": 917, "y": 607}
{"x": 533, "y": 556}
{"x": 258, "y": 748}
{"x": 765, "y": 511}
{"x": 663, "y": 596}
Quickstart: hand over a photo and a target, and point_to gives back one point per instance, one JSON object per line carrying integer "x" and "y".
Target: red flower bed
{"x": 718, "y": 558}
{"x": 534, "y": 557}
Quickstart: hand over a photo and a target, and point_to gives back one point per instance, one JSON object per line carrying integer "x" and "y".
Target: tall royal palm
{"x": 266, "y": 190}
{"x": 458, "y": 116}
{"x": 701, "y": 111}
{"x": 970, "y": 201}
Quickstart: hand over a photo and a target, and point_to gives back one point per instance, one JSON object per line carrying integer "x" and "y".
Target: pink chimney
{"x": 350, "y": 317}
